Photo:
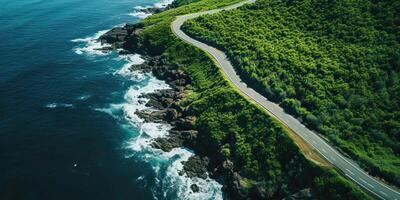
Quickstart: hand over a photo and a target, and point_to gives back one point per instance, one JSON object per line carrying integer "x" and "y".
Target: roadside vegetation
{"x": 335, "y": 65}
{"x": 231, "y": 128}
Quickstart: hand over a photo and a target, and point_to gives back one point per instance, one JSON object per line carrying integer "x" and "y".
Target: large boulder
{"x": 118, "y": 34}
{"x": 196, "y": 166}
{"x": 195, "y": 188}
{"x": 126, "y": 37}
{"x": 167, "y": 144}
{"x": 158, "y": 116}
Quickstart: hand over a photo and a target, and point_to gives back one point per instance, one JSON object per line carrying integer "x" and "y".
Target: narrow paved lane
{"x": 348, "y": 167}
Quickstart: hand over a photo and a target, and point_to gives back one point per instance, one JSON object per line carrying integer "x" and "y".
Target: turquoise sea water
{"x": 67, "y": 123}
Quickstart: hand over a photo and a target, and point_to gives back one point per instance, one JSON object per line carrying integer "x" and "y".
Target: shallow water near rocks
{"x": 68, "y": 128}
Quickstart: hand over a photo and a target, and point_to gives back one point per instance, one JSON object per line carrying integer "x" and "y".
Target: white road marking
{"x": 370, "y": 185}
{"x": 350, "y": 172}
{"x": 323, "y": 150}
{"x": 362, "y": 180}
{"x": 333, "y": 159}
{"x": 313, "y": 141}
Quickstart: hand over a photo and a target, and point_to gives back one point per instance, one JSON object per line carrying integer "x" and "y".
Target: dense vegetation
{"x": 333, "y": 64}
{"x": 234, "y": 129}
{"x": 178, "y": 3}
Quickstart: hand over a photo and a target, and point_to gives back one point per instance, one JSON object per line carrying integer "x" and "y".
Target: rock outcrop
{"x": 126, "y": 38}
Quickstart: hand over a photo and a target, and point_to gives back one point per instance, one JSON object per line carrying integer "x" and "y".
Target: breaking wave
{"x": 59, "y": 105}
{"x": 167, "y": 165}
{"x": 91, "y": 46}
{"x": 139, "y": 13}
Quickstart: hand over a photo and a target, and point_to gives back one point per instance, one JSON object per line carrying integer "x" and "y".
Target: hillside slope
{"x": 333, "y": 64}
{"x": 251, "y": 152}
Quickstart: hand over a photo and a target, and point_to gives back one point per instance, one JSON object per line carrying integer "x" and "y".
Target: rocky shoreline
{"x": 182, "y": 118}
{"x": 166, "y": 102}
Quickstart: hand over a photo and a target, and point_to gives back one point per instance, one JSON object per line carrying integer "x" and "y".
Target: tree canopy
{"x": 333, "y": 64}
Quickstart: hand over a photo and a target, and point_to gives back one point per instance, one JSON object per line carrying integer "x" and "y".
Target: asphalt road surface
{"x": 349, "y": 168}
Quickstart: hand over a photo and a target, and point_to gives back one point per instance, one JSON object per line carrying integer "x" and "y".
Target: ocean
{"x": 68, "y": 128}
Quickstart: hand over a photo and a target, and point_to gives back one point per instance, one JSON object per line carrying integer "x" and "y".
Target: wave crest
{"x": 91, "y": 46}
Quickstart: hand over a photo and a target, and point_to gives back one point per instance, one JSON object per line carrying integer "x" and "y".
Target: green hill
{"x": 334, "y": 64}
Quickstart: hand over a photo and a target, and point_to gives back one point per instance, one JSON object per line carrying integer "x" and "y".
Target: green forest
{"x": 234, "y": 129}
{"x": 334, "y": 64}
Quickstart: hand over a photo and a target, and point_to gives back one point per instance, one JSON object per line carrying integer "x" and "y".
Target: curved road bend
{"x": 348, "y": 167}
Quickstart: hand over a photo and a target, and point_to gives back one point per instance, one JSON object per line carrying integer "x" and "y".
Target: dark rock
{"x": 160, "y": 73}
{"x": 170, "y": 93}
{"x": 174, "y": 139}
{"x": 154, "y": 103}
{"x": 142, "y": 67}
{"x": 239, "y": 190}
{"x": 195, "y": 188}
{"x": 167, "y": 93}
{"x": 167, "y": 102}
{"x": 189, "y": 135}
{"x": 227, "y": 165}
{"x": 179, "y": 82}
{"x": 186, "y": 123}
{"x": 151, "y": 10}
{"x": 170, "y": 115}
{"x": 105, "y": 49}
{"x": 158, "y": 116}
{"x": 150, "y": 116}
{"x": 155, "y": 61}
{"x": 124, "y": 37}
{"x": 167, "y": 144}
{"x": 118, "y": 34}
{"x": 124, "y": 52}
{"x": 304, "y": 194}
{"x": 177, "y": 107}
{"x": 163, "y": 99}
{"x": 196, "y": 167}
{"x": 260, "y": 192}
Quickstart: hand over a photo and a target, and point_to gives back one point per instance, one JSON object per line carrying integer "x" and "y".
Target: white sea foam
{"x": 163, "y": 3}
{"x": 172, "y": 181}
{"x": 140, "y": 14}
{"x": 134, "y": 59}
{"x": 209, "y": 188}
{"x": 140, "y": 178}
{"x": 59, "y": 105}
{"x": 166, "y": 165}
{"x": 91, "y": 46}
{"x": 84, "y": 97}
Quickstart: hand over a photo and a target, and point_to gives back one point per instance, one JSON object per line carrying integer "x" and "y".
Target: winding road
{"x": 346, "y": 166}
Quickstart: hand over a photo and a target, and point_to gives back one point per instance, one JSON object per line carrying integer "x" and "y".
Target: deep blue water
{"x": 67, "y": 123}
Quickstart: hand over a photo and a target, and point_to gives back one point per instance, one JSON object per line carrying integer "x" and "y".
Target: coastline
{"x": 152, "y": 107}
{"x": 167, "y": 106}
{"x": 164, "y": 106}
{"x": 215, "y": 158}
{"x": 173, "y": 106}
